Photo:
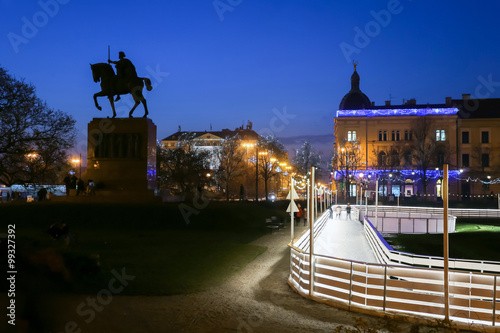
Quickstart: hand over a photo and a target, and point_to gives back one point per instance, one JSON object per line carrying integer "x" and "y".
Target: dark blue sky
{"x": 282, "y": 64}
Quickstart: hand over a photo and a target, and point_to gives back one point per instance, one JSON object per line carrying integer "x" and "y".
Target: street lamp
{"x": 76, "y": 160}
{"x": 251, "y": 145}
{"x": 347, "y": 181}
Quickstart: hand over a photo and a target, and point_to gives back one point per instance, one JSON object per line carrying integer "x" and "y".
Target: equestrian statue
{"x": 124, "y": 82}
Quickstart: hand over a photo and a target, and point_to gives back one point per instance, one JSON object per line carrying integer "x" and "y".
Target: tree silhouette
{"x": 426, "y": 151}
{"x": 346, "y": 160}
{"x": 271, "y": 153}
{"x": 305, "y": 158}
{"x": 183, "y": 169}
{"x": 34, "y": 139}
{"x": 230, "y": 159}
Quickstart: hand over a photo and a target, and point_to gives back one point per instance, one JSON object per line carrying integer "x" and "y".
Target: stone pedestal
{"x": 121, "y": 155}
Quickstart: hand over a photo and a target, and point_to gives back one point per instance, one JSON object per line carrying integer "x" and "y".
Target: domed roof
{"x": 355, "y": 99}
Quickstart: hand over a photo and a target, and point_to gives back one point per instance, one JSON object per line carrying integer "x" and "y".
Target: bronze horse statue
{"x": 112, "y": 85}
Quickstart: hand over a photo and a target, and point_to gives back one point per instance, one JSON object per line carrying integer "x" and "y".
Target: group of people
{"x": 74, "y": 183}
{"x": 338, "y": 212}
{"x": 301, "y": 214}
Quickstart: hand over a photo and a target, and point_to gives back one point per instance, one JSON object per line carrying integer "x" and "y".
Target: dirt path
{"x": 256, "y": 299}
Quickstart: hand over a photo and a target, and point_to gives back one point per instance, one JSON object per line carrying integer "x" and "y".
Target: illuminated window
{"x": 351, "y": 135}
{"x": 439, "y": 188}
{"x": 440, "y": 135}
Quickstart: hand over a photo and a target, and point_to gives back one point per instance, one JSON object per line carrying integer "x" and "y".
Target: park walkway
{"x": 345, "y": 239}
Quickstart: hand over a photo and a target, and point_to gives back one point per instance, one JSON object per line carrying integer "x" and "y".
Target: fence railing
{"x": 386, "y": 254}
{"x": 411, "y": 223}
{"x": 398, "y": 289}
{"x": 458, "y": 212}
{"x": 389, "y": 288}
{"x": 304, "y": 240}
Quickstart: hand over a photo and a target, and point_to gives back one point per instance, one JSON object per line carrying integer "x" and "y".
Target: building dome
{"x": 354, "y": 99}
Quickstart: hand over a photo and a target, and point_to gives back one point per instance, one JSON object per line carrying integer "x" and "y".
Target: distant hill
{"x": 323, "y": 144}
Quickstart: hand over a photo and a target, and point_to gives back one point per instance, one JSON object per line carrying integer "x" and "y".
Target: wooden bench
{"x": 273, "y": 224}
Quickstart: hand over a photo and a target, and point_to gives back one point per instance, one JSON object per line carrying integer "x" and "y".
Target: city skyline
{"x": 283, "y": 65}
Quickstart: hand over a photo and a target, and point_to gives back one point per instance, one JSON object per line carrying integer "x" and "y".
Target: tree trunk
{"x": 265, "y": 188}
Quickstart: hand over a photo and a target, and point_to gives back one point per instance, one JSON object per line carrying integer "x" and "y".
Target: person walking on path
{"x": 338, "y": 211}
{"x": 348, "y": 211}
{"x": 298, "y": 215}
{"x": 331, "y": 212}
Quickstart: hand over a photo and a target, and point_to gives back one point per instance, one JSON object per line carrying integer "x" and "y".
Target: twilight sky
{"x": 284, "y": 65}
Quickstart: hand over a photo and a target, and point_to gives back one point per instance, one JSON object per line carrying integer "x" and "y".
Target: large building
{"x": 405, "y": 146}
{"x": 209, "y": 140}
{"x": 265, "y": 168}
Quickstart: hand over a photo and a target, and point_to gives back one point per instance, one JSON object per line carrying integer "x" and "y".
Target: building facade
{"x": 210, "y": 140}
{"x": 405, "y": 146}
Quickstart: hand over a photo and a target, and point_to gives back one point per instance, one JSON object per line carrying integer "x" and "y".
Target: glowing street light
{"x": 79, "y": 161}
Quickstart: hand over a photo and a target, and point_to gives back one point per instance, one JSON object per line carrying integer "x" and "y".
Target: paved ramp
{"x": 345, "y": 239}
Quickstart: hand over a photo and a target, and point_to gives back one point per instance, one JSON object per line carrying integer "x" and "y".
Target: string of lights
{"x": 415, "y": 175}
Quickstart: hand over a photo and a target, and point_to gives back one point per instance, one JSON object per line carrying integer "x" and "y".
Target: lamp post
{"x": 250, "y": 145}
{"x": 347, "y": 181}
{"x": 445, "y": 244}
{"x": 75, "y": 160}
{"x": 361, "y": 183}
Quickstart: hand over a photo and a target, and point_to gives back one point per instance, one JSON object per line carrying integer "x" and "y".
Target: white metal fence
{"x": 386, "y": 254}
{"x": 458, "y": 212}
{"x": 400, "y": 289}
{"x": 410, "y": 223}
{"x": 395, "y": 288}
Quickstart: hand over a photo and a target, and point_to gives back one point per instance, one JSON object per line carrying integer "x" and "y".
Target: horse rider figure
{"x": 125, "y": 69}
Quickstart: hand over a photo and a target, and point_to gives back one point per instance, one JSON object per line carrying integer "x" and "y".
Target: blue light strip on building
{"x": 397, "y": 112}
{"x": 395, "y": 175}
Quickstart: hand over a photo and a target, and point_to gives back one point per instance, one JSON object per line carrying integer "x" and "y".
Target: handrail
{"x": 380, "y": 246}
{"x": 384, "y": 288}
{"x": 396, "y": 288}
{"x": 458, "y": 212}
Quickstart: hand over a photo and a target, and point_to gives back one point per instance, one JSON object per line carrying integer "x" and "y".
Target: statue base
{"x": 121, "y": 156}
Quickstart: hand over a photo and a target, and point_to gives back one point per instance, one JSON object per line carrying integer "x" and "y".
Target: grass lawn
{"x": 152, "y": 242}
{"x": 473, "y": 239}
